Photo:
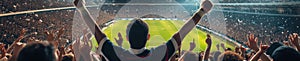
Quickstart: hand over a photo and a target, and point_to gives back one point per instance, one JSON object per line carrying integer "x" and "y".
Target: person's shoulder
{"x": 158, "y": 49}
{"x": 162, "y": 46}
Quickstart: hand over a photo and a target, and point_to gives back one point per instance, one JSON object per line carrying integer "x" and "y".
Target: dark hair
{"x": 285, "y": 53}
{"x": 37, "y": 51}
{"x": 230, "y": 56}
{"x": 228, "y": 49}
{"x": 68, "y": 57}
{"x": 272, "y": 47}
{"x": 216, "y": 54}
{"x": 137, "y": 32}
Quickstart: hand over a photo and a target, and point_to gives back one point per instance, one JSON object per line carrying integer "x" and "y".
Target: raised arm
{"x": 89, "y": 20}
{"x": 259, "y": 53}
{"x": 207, "y": 51}
{"x": 22, "y": 35}
{"x": 192, "y": 45}
{"x": 3, "y": 50}
{"x": 252, "y": 43}
{"x": 105, "y": 48}
{"x": 193, "y": 21}
{"x": 294, "y": 39}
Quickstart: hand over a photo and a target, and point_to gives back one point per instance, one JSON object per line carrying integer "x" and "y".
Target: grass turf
{"x": 161, "y": 31}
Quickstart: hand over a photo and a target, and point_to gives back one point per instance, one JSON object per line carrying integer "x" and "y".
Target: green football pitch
{"x": 160, "y": 32}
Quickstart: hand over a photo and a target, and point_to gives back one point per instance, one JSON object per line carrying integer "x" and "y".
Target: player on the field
{"x": 137, "y": 34}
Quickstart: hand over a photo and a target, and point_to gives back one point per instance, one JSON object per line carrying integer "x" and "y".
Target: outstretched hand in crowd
{"x": 223, "y": 46}
{"x": 86, "y": 48}
{"x": 207, "y": 51}
{"x": 82, "y": 47}
{"x": 3, "y": 50}
{"x": 252, "y": 42}
{"x": 208, "y": 40}
{"x": 120, "y": 40}
{"x": 206, "y": 5}
{"x": 17, "y": 49}
{"x": 22, "y": 35}
{"x": 54, "y": 36}
{"x": 287, "y": 43}
{"x": 295, "y": 40}
{"x": 192, "y": 45}
{"x": 261, "y": 51}
{"x": 76, "y": 47}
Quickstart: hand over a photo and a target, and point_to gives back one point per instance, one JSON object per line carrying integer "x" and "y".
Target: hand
{"x": 218, "y": 47}
{"x": 18, "y": 47}
{"x": 23, "y": 31}
{"x": 87, "y": 46}
{"x": 3, "y": 50}
{"x": 208, "y": 40}
{"x": 2, "y": 45}
{"x": 76, "y": 44}
{"x": 192, "y": 45}
{"x": 86, "y": 49}
{"x": 120, "y": 41}
{"x": 30, "y": 40}
{"x": 206, "y": 6}
{"x": 61, "y": 52}
{"x": 62, "y": 42}
{"x": 237, "y": 49}
{"x": 252, "y": 42}
{"x": 286, "y": 43}
{"x": 243, "y": 49}
{"x": 79, "y": 3}
{"x": 294, "y": 39}
{"x": 223, "y": 46}
{"x": 76, "y": 48}
{"x": 71, "y": 50}
{"x": 22, "y": 35}
{"x": 263, "y": 47}
{"x": 85, "y": 31}
{"x": 260, "y": 53}
{"x": 50, "y": 36}
{"x": 60, "y": 32}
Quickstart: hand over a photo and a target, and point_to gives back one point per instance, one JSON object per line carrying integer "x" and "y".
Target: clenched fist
{"x": 206, "y": 5}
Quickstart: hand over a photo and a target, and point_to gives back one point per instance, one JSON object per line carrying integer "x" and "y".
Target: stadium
{"x": 162, "y": 30}
{"x": 230, "y": 25}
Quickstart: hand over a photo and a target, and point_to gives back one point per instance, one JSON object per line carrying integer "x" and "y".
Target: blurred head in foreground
{"x": 189, "y": 56}
{"x": 230, "y": 56}
{"x": 285, "y": 53}
{"x": 38, "y": 51}
{"x": 272, "y": 47}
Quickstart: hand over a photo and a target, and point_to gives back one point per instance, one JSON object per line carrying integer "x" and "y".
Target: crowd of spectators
{"x": 8, "y": 6}
{"x": 21, "y": 32}
{"x": 267, "y": 28}
{"x": 54, "y": 49}
{"x": 36, "y": 24}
